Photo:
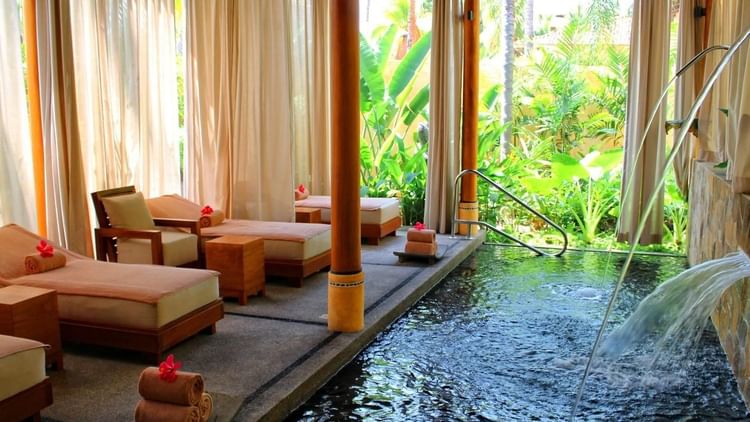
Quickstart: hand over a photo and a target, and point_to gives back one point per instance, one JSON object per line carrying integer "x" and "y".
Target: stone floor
{"x": 267, "y": 357}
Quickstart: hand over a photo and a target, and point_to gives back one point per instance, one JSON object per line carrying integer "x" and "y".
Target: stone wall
{"x": 720, "y": 224}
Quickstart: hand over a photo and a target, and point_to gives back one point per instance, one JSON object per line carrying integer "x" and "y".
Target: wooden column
{"x": 346, "y": 288}
{"x": 468, "y": 209}
{"x": 35, "y": 113}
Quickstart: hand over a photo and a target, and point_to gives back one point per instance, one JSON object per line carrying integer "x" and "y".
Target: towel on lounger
{"x": 36, "y": 264}
{"x": 421, "y": 248}
{"x": 213, "y": 219}
{"x": 185, "y": 390}
{"x": 424, "y": 235}
{"x": 154, "y": 411}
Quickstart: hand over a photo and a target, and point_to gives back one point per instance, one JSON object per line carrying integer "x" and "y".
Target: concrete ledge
{"x": 315, "y": 368}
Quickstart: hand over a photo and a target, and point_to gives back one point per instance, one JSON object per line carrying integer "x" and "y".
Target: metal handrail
{"x": 518, "y": 200}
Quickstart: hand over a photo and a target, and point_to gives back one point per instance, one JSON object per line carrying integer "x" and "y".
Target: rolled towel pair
{"x": 35, "y": 264}
{"x": 421, "y": 242}
{"x": 180, "y": 400}
{"x": 213, "y": 219}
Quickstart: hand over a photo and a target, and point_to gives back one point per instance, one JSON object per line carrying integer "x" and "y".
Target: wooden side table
{"x": 306, "y": 215}
{"x": 31, "y": 312}
{"x": 240, "y": 260}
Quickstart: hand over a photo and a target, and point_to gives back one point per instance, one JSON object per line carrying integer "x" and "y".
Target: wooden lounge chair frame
{"x": 152, "y": 343}
{"x": 105, "y": 236}
{"x": 27, "y": 404}
{"x": 372, "y": 233}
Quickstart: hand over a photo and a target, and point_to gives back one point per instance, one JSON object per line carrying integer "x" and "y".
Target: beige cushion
{"x": 128, "y": 211}
{"x": 179, "y": 248}
{"x": 21, "y": 365}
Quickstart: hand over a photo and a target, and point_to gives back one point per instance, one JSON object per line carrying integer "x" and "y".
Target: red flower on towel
{"x": 207, "y": 210}
{"x": 301, "y": 188}
{"x": 168, "y": 369}
{"x": 419, "y": 226}
{"x": 45, "y": 249}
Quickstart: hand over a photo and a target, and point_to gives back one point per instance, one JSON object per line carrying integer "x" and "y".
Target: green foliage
{"x": 393, "y": 155}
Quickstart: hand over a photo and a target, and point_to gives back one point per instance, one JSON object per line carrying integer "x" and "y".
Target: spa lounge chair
{"x": 24, "y": 387}
{"x": 291, "y": 250}
{"x": 379, "y": 217}
{"x": 144, "y": 308}
{"x": 128, "y": 234}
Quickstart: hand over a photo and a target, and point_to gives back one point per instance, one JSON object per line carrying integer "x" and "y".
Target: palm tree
{"x": 508, "y": 29}
{"x": 529, "y": 27}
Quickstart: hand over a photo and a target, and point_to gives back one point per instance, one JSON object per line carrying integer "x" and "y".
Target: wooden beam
{"x": 346, "y": 280}
{"x": 35, "y": 113}
{"x": 468, "y": 208}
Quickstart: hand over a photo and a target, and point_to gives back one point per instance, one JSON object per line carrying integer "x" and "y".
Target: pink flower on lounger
{"x": 168, "y": 369}
{"x": 207, "y": 210}
{"x": 419, "y": 226}
{"x": 301, "y": 188}
{"x": 45, "y": 249}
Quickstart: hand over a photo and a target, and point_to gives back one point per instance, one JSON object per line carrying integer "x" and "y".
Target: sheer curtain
{"x": 124, "y": 52}
{"x": 445, "y": 110}
{"x": 262, "y": 128}
{"x": 241, "y": 130}
{"x": 738, "y": 121}
{"x": 649, "y": 54}
{"x": 65, "y": 187}
{"x": 310, "y": 95}
{"x": 16, "y": 174}
{"x": 210, "y": 86}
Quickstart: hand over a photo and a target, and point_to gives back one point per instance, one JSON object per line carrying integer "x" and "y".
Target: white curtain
{"x": 16, "y": 174}
{"x": 210, "y": 87}
{"x": 445, "y": 110}
{"x": 738, "y": 121}
{"x": 124, "y": 52}
{"x": 65, "y": 186}
{"x": 241, "y": 128}
{"x": 689, "y": 43}
{"x": 310, "y": 95}
{"x": 649, "y": 55}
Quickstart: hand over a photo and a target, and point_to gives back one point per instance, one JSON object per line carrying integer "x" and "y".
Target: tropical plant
{"x": 391, "y": 108}
{"x": 590, "y": 186}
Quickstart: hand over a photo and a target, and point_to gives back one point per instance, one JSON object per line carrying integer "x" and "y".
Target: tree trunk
{"x": 507, "y": 74}
{"x": 529, "y": 26}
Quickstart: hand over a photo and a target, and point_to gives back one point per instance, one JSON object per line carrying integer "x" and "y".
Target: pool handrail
{"x": 518, "y": 200}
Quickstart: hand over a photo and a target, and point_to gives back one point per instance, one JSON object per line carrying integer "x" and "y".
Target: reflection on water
{"x": 510, "y": 341}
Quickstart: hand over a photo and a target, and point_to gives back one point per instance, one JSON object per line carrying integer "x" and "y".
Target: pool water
{"x": 509, "y": 341}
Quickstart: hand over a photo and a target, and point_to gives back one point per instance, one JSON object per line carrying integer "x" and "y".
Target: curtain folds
{"x": 16, "y": 169}
{"x": 130, "y": 105}
{"x": 738, "y": 119}
{"x": 310, "y": 94}
{"x": 644, "y": 164}
{"x": 445, "y": 110}
{"x": 241, "y": 106}
{"x": 689, "y": 43}
{"x": 210, "y": 84}
{"x": 66, "y": 193}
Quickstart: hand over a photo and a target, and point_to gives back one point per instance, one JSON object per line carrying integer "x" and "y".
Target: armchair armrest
{"x": 154, "y": 236}
{"x": 193, "y": 225}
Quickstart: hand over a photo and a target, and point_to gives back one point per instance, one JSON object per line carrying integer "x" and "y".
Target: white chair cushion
{"x": 179, "y": 248}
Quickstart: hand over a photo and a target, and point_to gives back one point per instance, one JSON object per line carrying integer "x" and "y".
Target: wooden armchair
{"x": 119, "y": 237}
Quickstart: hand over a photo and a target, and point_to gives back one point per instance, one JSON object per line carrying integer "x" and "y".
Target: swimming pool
{"x": 509, "y": 341}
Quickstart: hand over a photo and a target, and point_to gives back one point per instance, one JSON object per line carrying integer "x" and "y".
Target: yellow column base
{"x": 468, "y": 211}
{"x": 346, "y": 302}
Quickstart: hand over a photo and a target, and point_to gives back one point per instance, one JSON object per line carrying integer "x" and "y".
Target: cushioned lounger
{"x": 291, "y": 250}
{"x": 24, "y": 387}
{"x": 379, "y": 217}
{"x": 147, "y": 308}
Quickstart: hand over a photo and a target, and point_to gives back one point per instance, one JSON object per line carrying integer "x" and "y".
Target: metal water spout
{"x": 684, "y": 130}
